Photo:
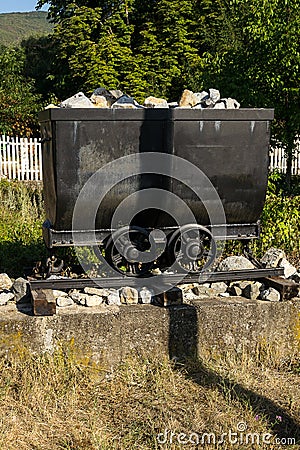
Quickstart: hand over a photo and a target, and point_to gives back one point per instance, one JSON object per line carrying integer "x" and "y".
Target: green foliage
{"x": 126, "y": 45}
{"x": 280, "y": 221}
{"x": 21, "y": 213}
{"x": 257, "y": 58}
{"x": 17, "y": 26}
{"x": 19, "y": 102}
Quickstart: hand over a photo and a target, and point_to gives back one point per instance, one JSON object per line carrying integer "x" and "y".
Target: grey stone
{"x": 270, "y": 294}
{"x": 113, "y": 298}
{"x": 272, "y": 257}
{"x": 289, "y": 269}
{"x": 5, "y": 281}
{"x": 125, "y": 102}
{"x": 129, "y": 295}
{"x": 78, "y": 100}
{"x": 154, "y": 102}
{"x": 235, "y": 263}
{"x": 64, "y": 301}
{"x": 93, "y": 300}
{"x": 116, "y": 93}
{"x": 252, "y": 291}
{"x": 146, "y": 295}
{"x": 103, "y": 98}
{"x": 5, "y": 297}
{"x": 21, "y": 289}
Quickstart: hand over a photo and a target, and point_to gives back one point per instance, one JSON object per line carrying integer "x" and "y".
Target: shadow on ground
{"x": 183, "y": 342}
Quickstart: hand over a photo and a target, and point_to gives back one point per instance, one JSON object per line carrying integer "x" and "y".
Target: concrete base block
{"x": 108, "y": 336}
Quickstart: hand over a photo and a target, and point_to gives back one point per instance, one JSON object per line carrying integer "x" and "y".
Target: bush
{"x": 21, "y": 218}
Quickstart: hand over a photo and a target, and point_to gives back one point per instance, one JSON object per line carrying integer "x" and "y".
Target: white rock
{"x": 113, "y": 298}
{"x": 219, "y": 287}
{"x": 252, "y": 290}
{"x": 198, "y": 106}
{"x": 289, "y": 269}
{"x": 78, "y": 297}
{"x": 224, "y": 294}
{"x": 50, "y": 106}
{"x": 154, "y": 102}
{"x": 93, "y": 300}
{"x": 231, "y": 103}
{"x": 146, "y": 295}
{"x": 57, "y": 293}
{"x": 5, "y": 281}
{"x": 64, "y": 301}
{"x": 99, "y": 101}
{"x": 272, "y": 257}
{"x": 78, "y": 100}
{"x": 235, "y": 263}
{"x": 270, "y": 294}
{"x": 200, "y": 96}
{"x": 5, "y": 297}
{"x": 97, "y": 291}
{"x": 220, "y": 105}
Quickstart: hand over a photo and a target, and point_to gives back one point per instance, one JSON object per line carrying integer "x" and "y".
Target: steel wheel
{"x": 122, "y": 251}
{"x": 192, "y": 248}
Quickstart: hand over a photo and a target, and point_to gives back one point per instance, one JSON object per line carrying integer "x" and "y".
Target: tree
{"x": 257, "y": 60}
{"x": 142, "y": 47}
{"x": 19, "y": 102}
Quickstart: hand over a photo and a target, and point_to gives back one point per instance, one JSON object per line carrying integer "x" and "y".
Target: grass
{"x": 57, "y": 402}
{"x": 60, "y": 402}
{"x": 21, "y": 218}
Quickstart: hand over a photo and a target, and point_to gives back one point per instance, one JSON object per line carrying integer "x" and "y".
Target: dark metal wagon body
{"x": 229, "y": 146}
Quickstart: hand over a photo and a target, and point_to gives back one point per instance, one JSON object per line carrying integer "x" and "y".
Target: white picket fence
{"x": 278, "y": 159}
{"x": 21, "y": 159}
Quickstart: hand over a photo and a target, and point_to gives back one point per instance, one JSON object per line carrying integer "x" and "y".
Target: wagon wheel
{"x": 192, "y": 248}
{"x": 122, "y": 251}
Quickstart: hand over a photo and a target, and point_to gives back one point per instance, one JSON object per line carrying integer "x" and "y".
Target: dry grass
{"x": 57, "y": 402}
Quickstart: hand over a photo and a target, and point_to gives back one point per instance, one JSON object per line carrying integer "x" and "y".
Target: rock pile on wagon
{"x": 115, "y": 99}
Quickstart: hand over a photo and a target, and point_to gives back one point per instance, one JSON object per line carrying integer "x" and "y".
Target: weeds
{"x": 58, "y": 402}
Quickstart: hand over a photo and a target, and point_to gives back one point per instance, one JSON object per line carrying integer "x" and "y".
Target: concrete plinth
{"x": 108, "y": 335}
